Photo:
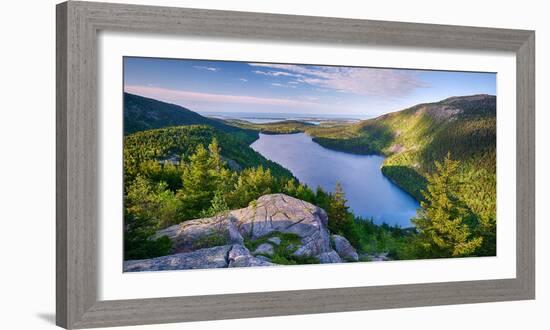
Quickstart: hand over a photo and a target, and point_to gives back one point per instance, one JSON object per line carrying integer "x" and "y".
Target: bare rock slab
{"x": 285, "y": 214}
{"x": 344, "y": 249}
{"x": 329, "y": 258}
{"x": 265, "y": 248}
{"x": 239, "y": 256}
{"x": 202, "y": 233}
{"x": 215, "y": 257}
{"x": 275, "y": 240}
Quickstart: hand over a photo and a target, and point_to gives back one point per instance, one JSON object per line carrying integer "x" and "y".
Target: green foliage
{"x": 370, "y": 137}
{"x": 338, "y": 210}
{"x": 407, "y": 178}
{"x": 282, "y": 127}
{"x": 218, "y": 206}
{"x": 251, "y": 184}
{"x": 294, "y": 260}
{"x": 445, "y": 223}
{"x": 304, "y": 193}
{"x": 322, "y": 199}
{"x": 155, "y": 153}
{"x": 414, "y": 138}
{"x": 147, "y": 208}
{"x": 135, "y": 249}
{"x": 397, "y": 242}
{"x": 150, "y": 201}
{"x": 340, "y": 219}
{"x": 478, "y": 192}
{"x": 201, "y": 177}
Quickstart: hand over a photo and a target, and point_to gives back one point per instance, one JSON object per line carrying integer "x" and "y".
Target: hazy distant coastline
{"x": 264, "y": 118}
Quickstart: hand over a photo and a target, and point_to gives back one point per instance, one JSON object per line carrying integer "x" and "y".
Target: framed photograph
{"x": 217, "y": 165}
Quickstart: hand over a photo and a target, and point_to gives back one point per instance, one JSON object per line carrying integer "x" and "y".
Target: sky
{"x": 247, "y": 87}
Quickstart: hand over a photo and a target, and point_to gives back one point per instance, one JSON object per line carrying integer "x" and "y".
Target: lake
{"x": 369, "y": 193}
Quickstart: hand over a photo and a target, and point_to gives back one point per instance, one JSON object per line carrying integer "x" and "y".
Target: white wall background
{"x": 27, "y": 166}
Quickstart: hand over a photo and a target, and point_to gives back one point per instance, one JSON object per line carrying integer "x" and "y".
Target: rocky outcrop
{"x": 329, "y": 258}
{"x": 265, "y": 248}
{"x": 344, "y": 249}
{"x": 202, "y": 233}
{"x": 218, "y": 242}
{"x": 275, "y": 240}
{"x": 214, "y": 257}
{"x": 285, "y": 214}
{"x": 239, "y": 256}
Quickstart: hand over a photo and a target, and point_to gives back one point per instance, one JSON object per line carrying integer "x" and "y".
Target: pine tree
{"x": 479, "y": 193}
{"x": 340, "y": 220}
{"x": 444, "y": 222}
{"x": 290, "y": 188}
{"x": 199, "y": 183}
{"x": 251, "y": 184}
{"x": 304, "y": 193}
{"x": 216, "y": 162}
{"x": 148, "y": 207}
{"x": 218, "y": 206}
{"x": 322, "y": 199}
{"x": 338, "y": 210}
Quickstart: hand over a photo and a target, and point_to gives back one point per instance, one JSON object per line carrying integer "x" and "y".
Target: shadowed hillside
{"x": 142, "y": 113}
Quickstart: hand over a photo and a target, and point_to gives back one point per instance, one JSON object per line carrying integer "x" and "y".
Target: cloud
{"x": 243, "y": 79}
{"x": 208, "y": 68}
{"x": 283, "y": 85}
{"x": 361, "y": 81}
{"x": 277, "y": 73}
{"x": 182, "y": 97}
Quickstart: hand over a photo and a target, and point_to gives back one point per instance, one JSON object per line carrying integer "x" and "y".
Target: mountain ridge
{"x": 414, "y": 138}
{"x": 142, "y": 113}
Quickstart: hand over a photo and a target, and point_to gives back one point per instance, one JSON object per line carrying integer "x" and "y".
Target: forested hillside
{"x": 280, "y": 127}
{"x": 142, "y": 113}
{"x": 459, "y": 132}
{"x": 153, "y": 152}
{"x": 414, "y": 138}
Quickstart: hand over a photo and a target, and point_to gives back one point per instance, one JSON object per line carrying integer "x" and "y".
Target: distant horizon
{"x": 300, "y": 115}
{"x": 223, "y": 87}
{"x": 280, "y": 114}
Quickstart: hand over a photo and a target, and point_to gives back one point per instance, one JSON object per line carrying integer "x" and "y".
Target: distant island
{"x": 197, "y": 195}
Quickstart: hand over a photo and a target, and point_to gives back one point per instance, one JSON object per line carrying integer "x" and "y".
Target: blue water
{"x": 369, "y": 193}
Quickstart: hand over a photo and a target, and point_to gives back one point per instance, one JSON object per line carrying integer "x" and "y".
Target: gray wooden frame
{"x": 78, "y": 24}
